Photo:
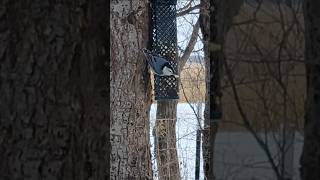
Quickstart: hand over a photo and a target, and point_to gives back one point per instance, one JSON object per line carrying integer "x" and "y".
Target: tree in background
{"x": 130, "y": 91}
{"x": 54, "y": 98}
{"x": 264, "y": 79}
{"x": 310, "y": 159}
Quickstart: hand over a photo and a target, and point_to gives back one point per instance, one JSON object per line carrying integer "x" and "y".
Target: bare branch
{"x": 194, "y": 111}
{"x": 188, "y": 5}
{"x": 191, "y": 44}
{"x": 246, "y": 121}
{"x": 244, "y": 22}
{"x": 184, "y": 12}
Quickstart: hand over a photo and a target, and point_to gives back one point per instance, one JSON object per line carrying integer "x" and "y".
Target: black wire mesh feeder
{"x": 164, "y": 43}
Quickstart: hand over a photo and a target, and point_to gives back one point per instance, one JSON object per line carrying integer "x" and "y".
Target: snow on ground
{"x": 237, "y": 155}
{"x": 186, "y": 139}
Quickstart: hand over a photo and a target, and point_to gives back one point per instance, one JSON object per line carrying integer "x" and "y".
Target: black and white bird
{"x": 158, "y": 64}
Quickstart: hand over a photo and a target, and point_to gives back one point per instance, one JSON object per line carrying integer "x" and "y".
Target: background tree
{"x": 130, "y": 91}
{"x": 264, "y": 79}
{"x": 54, "y": 98}
{"x": 310, "y": 159}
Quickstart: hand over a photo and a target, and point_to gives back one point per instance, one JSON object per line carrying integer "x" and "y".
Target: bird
{"x": 159, "y": 65}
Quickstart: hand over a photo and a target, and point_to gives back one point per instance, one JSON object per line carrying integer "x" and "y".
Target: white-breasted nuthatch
{"x": 158, "y": 64}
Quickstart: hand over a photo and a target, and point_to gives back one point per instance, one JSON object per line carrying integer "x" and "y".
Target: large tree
{"x": 53, "y": 103}
{"x": 216, "y": 17}
{"x": 130, "y": 91}
{"x": 310, "y": 160}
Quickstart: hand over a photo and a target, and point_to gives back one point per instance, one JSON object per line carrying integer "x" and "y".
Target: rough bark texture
{"x": 215, "y": 21}
{"x": 130, "y": 91}
{"x": 206, "y": 148}
{"x": 54, "y": 96}
{"x": 167, "y": 157}
{"x": 310, "y": 160}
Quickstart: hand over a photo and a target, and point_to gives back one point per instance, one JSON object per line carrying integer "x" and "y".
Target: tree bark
{"x": 167, "y": 156}
{"x": 54, "y": 98}
{"x": 215, "y": 20}
{"x": 130, "y": 91}
{"x": 205, "y": 29}
{"x": 310, "y": 159}
{"x": 198, "y": 143}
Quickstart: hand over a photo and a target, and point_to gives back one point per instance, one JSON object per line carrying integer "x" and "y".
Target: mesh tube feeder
{"x": 164, "y": 42}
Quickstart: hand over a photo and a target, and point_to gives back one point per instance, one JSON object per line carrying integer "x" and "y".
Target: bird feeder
{"x": 164, "y": 42}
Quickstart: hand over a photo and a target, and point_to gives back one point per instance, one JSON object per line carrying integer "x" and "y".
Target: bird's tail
{"x": 146, "y": 51}
{"x": 148, "y": 54}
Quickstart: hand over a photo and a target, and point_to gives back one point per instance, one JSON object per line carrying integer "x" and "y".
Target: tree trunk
{"x": 54, "y": 99}
{"x": 310, "y": 159}
{"x": 216, "y": 17}
{"x": 198, "y": 142}
{"x": 167, "y": 160}
{"x": 130, "y": 91}
{"x": 205, "y": 29}
{"x": 287, "y": 152}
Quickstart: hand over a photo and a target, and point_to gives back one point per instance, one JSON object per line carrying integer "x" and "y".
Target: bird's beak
{"x": 176, "y": 76}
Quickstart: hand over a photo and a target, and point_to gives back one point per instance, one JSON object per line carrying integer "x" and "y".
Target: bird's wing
{"x": 156, "y": 63}
{"x": 148, "y": 56}
{"x": 159, "y": 62}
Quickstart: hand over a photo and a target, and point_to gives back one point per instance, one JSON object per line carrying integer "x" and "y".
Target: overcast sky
{"x": 184, "y": 27}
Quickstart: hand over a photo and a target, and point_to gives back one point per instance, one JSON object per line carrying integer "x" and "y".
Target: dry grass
{"x": 192, "y": 87}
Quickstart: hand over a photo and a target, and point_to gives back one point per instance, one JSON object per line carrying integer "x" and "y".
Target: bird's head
{"x": 168, "y": 71}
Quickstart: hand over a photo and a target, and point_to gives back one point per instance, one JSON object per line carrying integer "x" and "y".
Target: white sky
{"x": 184, "y": 27}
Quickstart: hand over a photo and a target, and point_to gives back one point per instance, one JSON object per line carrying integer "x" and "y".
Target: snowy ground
{"x": 237, "y": 155}
{"x": 186, "y": 139}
